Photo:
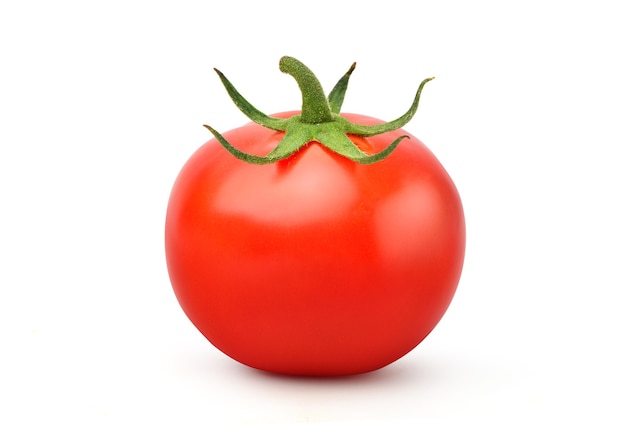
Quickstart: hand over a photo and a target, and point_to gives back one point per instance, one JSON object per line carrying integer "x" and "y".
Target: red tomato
{"x": 315, "y": 264}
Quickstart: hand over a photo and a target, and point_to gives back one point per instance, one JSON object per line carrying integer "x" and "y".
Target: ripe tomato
{"x": 314, "y": 264}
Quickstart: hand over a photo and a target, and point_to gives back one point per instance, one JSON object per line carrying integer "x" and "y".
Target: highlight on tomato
{"x": 314, "y": 242}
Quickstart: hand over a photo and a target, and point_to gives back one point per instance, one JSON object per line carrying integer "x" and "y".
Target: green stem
{"x": 315, "y": 107}
{"x": 319, "y": 120}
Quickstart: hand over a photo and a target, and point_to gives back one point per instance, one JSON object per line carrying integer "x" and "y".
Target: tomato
{"x": 314, "y": 264}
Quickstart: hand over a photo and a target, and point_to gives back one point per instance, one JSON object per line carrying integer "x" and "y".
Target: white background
{"x": 101, "y": 103}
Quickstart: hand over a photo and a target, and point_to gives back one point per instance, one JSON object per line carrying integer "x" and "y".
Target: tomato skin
{"x": 314, "y": 265}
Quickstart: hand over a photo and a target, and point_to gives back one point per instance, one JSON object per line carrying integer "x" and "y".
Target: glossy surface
{"x": 314, "y": 265}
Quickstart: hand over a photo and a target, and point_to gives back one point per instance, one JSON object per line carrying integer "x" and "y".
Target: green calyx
{"x": 319, "y": 119}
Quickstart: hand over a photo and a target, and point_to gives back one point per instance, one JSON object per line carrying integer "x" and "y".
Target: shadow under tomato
{"x": 242, "y": 393}
{"x": 395, "y": 374}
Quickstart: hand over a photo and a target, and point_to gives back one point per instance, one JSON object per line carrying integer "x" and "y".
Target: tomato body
{"x": 314, "y": 265}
